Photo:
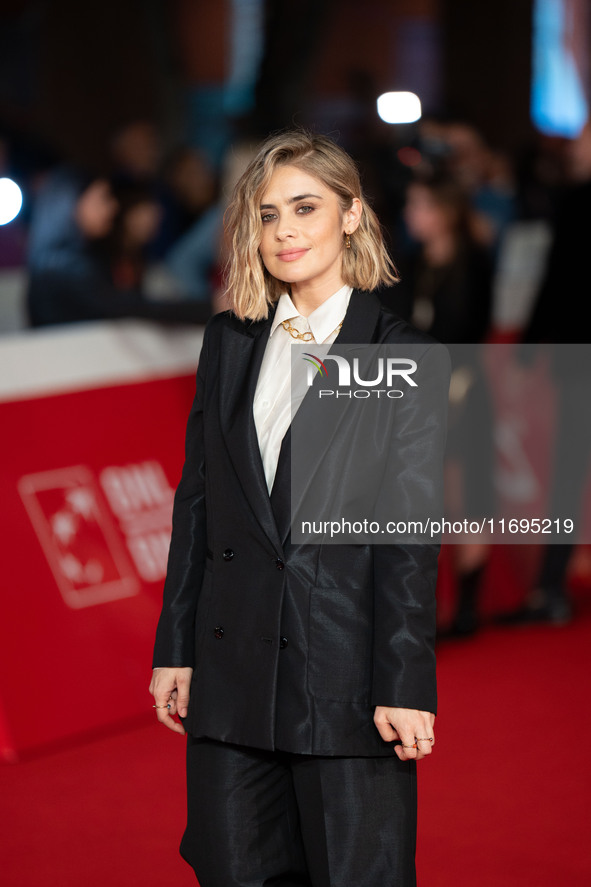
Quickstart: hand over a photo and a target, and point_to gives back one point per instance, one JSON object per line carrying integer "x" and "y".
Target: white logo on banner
{"x": 78, "y": 536}
{"x": 141, "y": 498}
{"x": 78, "y": 533}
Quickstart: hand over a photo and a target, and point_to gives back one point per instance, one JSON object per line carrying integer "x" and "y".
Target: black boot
{"x": 466, "y": 620}
{"x": 549, "y": 602}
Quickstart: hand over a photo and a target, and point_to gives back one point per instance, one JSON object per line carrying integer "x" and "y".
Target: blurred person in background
{"x": 459, "y": 152}
{"x": 542, "y": 171}
{"x": 487, "y": 177}
{"x": 181, "y": 257}
{"x": 446, "y": 284}
{"x": 555, "y": 320}
{"x": 446, "y": 290}
{"x": 195, "y": 260}
{"x": 69, "y": 261}
{"x": 135, "y": 226}
{"x": 136, "y": 153}
{"x": 191, "y": 185}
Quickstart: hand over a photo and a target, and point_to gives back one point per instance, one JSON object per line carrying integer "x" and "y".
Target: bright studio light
{"x": 399, "y": 107}
{"x": 11, "y": 200}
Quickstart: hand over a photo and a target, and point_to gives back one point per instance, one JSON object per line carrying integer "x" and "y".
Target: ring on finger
{"x": 409, "y": 746}
{"x": 162, "y": 706}
{"x": 426, "y": 739}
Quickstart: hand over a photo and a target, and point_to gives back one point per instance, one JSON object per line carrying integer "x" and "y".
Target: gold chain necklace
{"x": 307, "y": 336}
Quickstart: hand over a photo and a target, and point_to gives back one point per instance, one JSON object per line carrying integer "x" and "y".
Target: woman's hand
{"x": 413, "y": 728}
{"x": 170, "y": 689}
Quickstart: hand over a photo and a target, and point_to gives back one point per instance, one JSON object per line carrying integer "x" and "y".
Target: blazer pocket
{"x": 340, "y": 644}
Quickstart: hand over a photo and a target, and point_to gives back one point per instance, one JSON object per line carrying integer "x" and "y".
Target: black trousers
{"x": 273, "y": 819}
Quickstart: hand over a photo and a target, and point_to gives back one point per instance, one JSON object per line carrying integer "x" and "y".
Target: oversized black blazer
{"x": 292, "y": 646}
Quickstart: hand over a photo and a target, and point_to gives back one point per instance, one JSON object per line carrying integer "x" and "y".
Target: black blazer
{"x": 292, "y": 645}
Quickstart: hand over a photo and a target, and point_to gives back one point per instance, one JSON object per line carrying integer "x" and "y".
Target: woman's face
{"x": 303, "y": 231}
{"x": 425, "y": 218}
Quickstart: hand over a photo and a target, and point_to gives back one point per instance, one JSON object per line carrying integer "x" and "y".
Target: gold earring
{"x": 348, "y": 241}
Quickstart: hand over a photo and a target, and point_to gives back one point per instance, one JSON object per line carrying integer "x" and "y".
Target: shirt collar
{"x": 285, "y": 310}
{"x": 323, "y": 320}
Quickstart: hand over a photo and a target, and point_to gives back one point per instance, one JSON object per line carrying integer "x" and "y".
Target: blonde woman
{"x": 303, "y": 674}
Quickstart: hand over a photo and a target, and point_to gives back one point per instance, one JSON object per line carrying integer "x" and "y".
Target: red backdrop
{"x": 87, "y": 479}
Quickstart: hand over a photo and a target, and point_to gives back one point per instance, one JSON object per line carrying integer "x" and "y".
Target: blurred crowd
{"x": 469, "y": 226}
{"x": 489, "y": 247}
{"x": 141, "y": 238}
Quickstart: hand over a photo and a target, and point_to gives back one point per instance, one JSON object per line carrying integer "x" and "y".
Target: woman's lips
{"x": 291, "y": 255}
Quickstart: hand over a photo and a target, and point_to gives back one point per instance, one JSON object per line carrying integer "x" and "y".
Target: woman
{"x": 304, "y": 674}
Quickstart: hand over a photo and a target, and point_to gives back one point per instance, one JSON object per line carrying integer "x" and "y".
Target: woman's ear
{"x": 352, "y": 216}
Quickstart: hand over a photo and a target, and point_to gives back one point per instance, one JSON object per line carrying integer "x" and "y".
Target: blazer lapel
{"x": 361, "y": 320}
{"x": 281, "y": 492}
{"x": 243, "y": 348}
{"x": 359, "y": 326}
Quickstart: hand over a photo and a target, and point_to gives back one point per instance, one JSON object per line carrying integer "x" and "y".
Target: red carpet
{"x": 503, "y": 802}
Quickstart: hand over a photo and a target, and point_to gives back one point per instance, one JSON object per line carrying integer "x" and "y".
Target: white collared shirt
{"x": 272, "y": 407}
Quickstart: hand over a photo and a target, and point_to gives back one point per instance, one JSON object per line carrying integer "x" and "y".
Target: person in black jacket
{"x": 303, "y": 673}
{"x": 554, "y": 326}
{"x": 446, "y": 290}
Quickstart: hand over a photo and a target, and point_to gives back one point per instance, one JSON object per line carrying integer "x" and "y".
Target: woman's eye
{"x": 268, "y": 217}
{"x": 305, "y": 210}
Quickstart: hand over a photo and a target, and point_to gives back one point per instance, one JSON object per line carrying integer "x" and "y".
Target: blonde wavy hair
{"x": 251, "y": 290}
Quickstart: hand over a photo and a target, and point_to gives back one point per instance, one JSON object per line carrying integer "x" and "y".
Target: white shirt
{"x": 272, "y": 407}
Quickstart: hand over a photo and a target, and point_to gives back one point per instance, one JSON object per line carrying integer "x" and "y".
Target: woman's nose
{"x": 284, "y": 230}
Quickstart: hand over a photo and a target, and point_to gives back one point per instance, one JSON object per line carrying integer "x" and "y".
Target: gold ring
{"x": 425, "y": 739}
{"x": 409, "y": 746}
{"x": 161, "y": 706}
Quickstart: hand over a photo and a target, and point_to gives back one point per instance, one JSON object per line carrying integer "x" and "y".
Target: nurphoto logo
{"x": 387, "y": 370}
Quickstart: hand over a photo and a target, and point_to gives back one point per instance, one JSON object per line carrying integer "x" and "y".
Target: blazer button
{"x": 218, "y": 632}
{"x": 228, "y": 554}
{"x": 283, "y": 643}
{"x": 279, "y": 564}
